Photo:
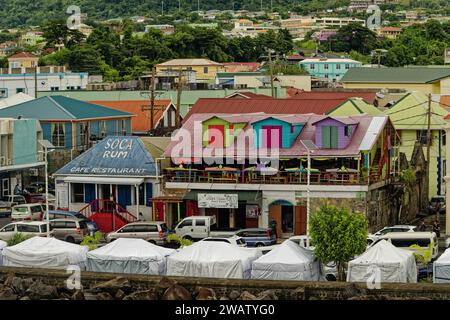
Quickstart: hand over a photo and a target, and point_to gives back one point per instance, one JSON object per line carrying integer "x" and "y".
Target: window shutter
{"x": 334, "y": 137}
{"x": 326, "y": 137}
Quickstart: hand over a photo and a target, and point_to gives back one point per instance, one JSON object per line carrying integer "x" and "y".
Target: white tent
{"x": 2, "y": 245}
{"x": 384, "y": 263}
{"x": 212, "y": 259}
{"x": 288, "y": 261}
{"x": 441, "y": 268}
{"x": 129, "y": 256}
{"x": 15, "y": 99}
{"x": 40, "y": 252}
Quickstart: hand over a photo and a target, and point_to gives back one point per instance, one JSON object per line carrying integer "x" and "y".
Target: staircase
{"x": 107, "y": 214}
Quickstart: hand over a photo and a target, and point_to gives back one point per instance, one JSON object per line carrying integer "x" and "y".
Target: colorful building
{"x": 22, "y": 60}
{"x": 355, "y": 106}
{"x": 329, "y": 69}
{"x": 409, "y": 116}
{"x": 435, "y": 80}
{"x": 72, "y": 124}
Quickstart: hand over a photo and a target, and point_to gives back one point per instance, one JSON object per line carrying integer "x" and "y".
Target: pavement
{"x": 4, "y": 222}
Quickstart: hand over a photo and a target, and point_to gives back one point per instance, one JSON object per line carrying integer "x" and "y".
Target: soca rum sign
{"x": 217, "y": 200}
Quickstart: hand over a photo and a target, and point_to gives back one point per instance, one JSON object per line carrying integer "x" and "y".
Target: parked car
{"x": 61, "y": 214}
{"x": 29, "y": 211}
{"x": 32, "y": 228}
{"x": 39, "y": 187}
{"x": 5, "y": 209}
{"x": 435, "y": 202}
{"x": 404, "y": 240}
{"x": 234, "y": 240}
{"x": 70, "y": 230}
{"x": 257, "y": 237}
{"x": 200, "y": 227}
{"x": 14, "y": 199}
{"x": 40, "y": 198}
{"x": 397, "y": 228}
{"x": 153, "y": 231}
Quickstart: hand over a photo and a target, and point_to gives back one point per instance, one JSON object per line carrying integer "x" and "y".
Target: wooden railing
{"x": 107, "y": 206}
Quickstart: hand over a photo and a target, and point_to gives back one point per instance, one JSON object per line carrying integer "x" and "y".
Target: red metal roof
{"x": 140, "y": 123}
{"x": 22, "y": 55}
{"x": 369, "y": 97}
{"x": 269, "y": 106}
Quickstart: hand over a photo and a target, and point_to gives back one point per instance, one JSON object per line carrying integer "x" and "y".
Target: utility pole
{"x": 35, "y": 83}
{"x": 179, "y": 91}
{"x": 271, "y": 74}
{"x": 429, "y": 138}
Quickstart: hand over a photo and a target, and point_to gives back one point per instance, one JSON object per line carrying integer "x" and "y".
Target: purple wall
{"x": 343, "y": 141}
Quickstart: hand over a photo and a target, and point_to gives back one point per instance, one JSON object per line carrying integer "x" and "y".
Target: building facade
{"x": 330, "y": 69}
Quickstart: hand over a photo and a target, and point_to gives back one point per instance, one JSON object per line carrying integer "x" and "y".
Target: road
{"x": 4, "y": 222}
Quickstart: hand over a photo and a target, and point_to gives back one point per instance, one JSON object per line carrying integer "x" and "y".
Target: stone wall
{"x": 25, "y": 284}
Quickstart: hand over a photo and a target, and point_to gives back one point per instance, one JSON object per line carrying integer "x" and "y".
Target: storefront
{"x": 117, "y": 174}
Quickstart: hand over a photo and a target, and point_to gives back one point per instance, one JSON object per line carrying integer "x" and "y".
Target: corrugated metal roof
{"x": 297, "y": 150}
{"x": 141, "y": 123}
{"x": 269, "y": 106}
{"x": 369, "y": 97}
{"x": 61, "y": 108}
{"x": 396, "y": 75}
{"x": 372, "y": 133}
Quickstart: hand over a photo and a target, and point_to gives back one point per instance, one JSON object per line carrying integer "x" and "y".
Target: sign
{"x": 113, "y": 156}
{"x": 217, "y": 200}
{"x": 62, "y": 194}
{"x": 251, "y": 211}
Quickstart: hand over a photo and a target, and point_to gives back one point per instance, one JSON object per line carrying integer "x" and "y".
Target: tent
{"x": 2, "y": 245}
{"x": 441, "y": 268}
{"x": 394, "y": 265}
{"x": 129, "y": 256}
{"x": 40, "y": 252}
{"x": 212, "y": 259}
{"x": 288, "y": 261}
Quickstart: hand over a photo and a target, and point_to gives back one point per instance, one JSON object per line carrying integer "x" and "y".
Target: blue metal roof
{"x": 122, "y": 156}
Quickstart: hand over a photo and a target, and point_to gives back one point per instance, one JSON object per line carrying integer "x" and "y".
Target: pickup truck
{"x": 200, "y": 227}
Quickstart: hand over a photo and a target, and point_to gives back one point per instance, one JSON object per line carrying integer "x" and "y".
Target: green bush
{"x": 92, "y": 242}
{"x": 17, "y": 238}
{"x": 177, "y": 239}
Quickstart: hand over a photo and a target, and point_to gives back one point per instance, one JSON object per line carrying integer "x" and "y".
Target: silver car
{"x": 152, "y": 231}
{"x": 70, "y": 230}
{"x": 33, "y": 228}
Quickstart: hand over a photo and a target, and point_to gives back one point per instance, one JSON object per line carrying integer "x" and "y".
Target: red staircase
{"x": 107, "y": 214}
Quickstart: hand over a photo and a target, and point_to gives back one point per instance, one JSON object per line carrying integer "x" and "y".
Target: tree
{"x": 3, "y": 62}
{"x": 57, "y": 32}
{"x": 338, "y": 236}
{"x": 352, "y": 37}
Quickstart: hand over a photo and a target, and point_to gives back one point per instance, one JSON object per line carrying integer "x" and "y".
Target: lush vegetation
{"x": 126, "y": 55}
{"x": 338, "y": 236}
{"x": 180, "y": 242}
{"x": 92, "y": 242}
{"x": 17, "y": 238}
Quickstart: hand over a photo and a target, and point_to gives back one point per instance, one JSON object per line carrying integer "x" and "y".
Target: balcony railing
{"x": 228, "y": 175}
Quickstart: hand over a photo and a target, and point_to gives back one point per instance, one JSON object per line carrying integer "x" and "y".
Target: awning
{"x": 104, "y": 180}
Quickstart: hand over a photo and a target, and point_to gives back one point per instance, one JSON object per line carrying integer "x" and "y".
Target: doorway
{"x": 287, "y": 220}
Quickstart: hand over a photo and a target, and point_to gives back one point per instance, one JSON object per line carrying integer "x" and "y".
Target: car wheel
{"x": 152, "y": 241}
{"x": 187, "y": 238}
{"x": 330, "y": 277}
{"x": 259, "y": 245}
{"x": 70, "y": 239}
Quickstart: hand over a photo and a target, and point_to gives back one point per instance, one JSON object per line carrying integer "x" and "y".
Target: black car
{"x": 435, "y": 202}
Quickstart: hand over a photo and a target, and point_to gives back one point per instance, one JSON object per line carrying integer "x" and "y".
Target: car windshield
{"x": 164, "y": 227}
{"x": 21, "y": 209}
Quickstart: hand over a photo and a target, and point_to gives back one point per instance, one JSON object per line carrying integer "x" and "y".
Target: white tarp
{"x": 288, "y": 261}
{"x": 2, "y": 245}
{"x": 441, "y": 268}
{"x": 40, "y": 252}
{"x": 385, "y": 263}
{"x": 213, "y": 260}
{"x": 129, "y": 256}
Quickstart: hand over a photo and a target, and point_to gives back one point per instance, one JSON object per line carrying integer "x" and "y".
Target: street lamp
{"x": 46, "y": 145}
{"x": 310, "y": 147}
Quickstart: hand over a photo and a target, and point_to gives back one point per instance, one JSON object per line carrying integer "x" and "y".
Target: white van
{"x": 404, "y": 240}
{"x": 200, "y": 227}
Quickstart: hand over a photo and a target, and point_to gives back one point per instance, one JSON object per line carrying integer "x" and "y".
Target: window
{"x": 421, "y": 136}
{"x": 185, "y": 223}
{"x": 348, "y": 131}
{"x": 123, "y": 127}
{"x": 200, "y": 223}
{"x": 338, "y": 67}
{"x": 70, "y": 88}
{"x": 9, "y": 228}
{"x": 329, "y": 137}
{"x": 58, "y": 224}
{"x": 347, "y": 66}
{"x": 20, "y": 90}
{"x": 103, "y": 130}
{"x": 205, "y": 70}
{"x": 58, "y": 134}
{"x": 127, "y": 229}
{"x": 54, "y": 88}
{"x": 312, "y": 66}
{"x": 3, "y": 93}
{"x": 28, "y": 228}
{"x": 78, "y": 87}
{"x": 77, "y": 193}
{"x": 71, "y": 224}
{"x": 146, "y": 228}
{"x": 84, "y": 133}
{"x": 326, "y": 66}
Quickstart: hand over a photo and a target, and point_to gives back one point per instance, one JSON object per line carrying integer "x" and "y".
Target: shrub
{"x": 17, "y": 238}
{"x": 92, "y": 242}
{"x": 177, "y": 239}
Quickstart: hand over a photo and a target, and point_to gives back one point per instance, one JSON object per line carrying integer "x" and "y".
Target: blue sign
{"x": 113, "y": 156}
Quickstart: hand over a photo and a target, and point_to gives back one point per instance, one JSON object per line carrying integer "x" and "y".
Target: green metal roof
{"x": 411, "y": 113}
{"x": 354, "y": 107}
{"x": 60, "y": 108}
{"x": 396, "y": 75}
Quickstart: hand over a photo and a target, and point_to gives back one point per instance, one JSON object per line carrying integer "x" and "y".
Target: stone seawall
{"x": 25, "y": 283}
